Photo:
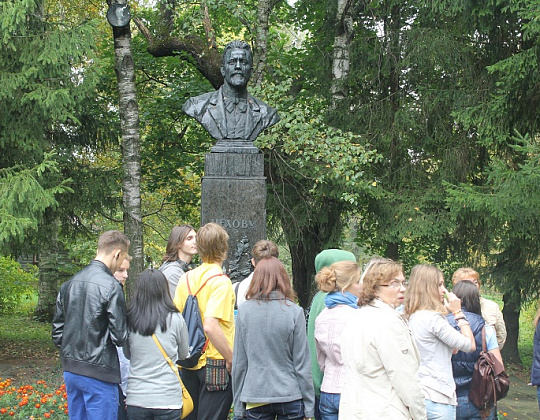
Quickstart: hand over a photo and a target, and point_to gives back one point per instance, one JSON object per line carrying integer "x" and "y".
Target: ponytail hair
{"x": 338, "y": 277}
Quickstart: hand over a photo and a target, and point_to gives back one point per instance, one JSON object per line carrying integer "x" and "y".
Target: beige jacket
{"x": 381, "y": 364}
{"x": 494, "y": 317}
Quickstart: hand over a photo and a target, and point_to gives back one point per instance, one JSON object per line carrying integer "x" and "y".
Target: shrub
{"x": 15, "y": 283}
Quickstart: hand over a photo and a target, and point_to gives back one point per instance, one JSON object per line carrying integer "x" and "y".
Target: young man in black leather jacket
{"x": 89, "y": 321}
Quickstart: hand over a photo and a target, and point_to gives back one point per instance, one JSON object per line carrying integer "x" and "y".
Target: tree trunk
{"x": 264, "y": 8}
{"x": 392, "y": 251}
{"x": 511, "y": 311}
{"x": 53, "y": 257}
{"x": 303, "y": 255}
{"x": 341, "y": 54}
{"x": 131, "y": 154}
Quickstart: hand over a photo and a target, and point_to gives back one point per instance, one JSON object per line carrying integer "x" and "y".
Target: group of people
{"x": 396, "y": 349}
{"x": 376, "y": 345}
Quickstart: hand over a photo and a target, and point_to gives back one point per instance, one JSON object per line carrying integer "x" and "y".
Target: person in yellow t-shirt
{"x": 209, "y": 382}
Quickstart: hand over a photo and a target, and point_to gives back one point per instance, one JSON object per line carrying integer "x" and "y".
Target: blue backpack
{"x": 196, "y": 338}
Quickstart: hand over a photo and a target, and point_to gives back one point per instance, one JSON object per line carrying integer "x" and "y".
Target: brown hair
{"x": 465, "y": 273}
{"x": 338, "y": 276}
{"x": 537, "y": 317}
{"x": 212, "y": 243}
{"x": 423, "y": 290}
{"x": 176, "y": 238}
{"x": 379, "y": 272}
{"x": 112, "y": 240}
{"x": 264, "y": 249}
{"x": 269, "y": 275}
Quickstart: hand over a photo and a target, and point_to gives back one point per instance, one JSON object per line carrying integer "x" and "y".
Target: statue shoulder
{"x": 196, "y": 105}
{"x": 267, "y": 111}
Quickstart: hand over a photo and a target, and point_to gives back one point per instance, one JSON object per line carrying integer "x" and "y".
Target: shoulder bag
{"x": 187, "y": 401}
{"x": 490, "y": 383}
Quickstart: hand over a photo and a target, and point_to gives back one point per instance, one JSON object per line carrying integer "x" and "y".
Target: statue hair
{"x": 237, "y": 44}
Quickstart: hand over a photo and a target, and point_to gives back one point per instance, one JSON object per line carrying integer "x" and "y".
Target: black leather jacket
{"x": 89, "y": 321}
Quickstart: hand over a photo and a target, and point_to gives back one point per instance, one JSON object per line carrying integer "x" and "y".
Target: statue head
{"x": 236, "y": 65}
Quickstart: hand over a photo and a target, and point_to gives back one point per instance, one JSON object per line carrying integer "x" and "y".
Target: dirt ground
{"x": 29, "y": 364}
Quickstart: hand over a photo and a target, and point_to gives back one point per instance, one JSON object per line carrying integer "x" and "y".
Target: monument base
{"x": 234, "y": 146}
{"x": 233, "y": 195}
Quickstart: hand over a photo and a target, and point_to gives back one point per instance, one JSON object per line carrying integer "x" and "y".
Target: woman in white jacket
{"x": 380, "y": 357}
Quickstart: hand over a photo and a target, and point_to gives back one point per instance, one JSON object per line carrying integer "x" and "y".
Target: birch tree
{"x": 131, "y": 144}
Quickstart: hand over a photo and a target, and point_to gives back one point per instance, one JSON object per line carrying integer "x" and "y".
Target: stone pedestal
{"x": 233, "y": 195}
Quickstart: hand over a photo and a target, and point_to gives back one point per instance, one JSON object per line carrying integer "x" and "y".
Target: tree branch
{"x": 190, "y": 48}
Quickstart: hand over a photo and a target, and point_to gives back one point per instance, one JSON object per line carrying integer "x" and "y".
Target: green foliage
{"x": 15, "y": 284}
{"x": 314, "y": 169}
{"x": 23, "y": 199}
{"x": 503, "y": 213}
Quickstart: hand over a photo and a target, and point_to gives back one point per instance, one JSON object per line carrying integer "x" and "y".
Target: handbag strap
{"x": 173, "y": 366}
{"x": 488, "y": 359}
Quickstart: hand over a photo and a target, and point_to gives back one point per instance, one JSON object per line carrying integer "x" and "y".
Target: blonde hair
{"x": 423, "y": 290}
{"x": 379, "y": 272}
{"x": 212, "y": 243}
{"x": 465, "y": 273}
{"x": 338, "y": 276}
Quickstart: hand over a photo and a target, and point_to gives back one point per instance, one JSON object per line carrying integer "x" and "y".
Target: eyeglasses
{"x": 396, "y": 284}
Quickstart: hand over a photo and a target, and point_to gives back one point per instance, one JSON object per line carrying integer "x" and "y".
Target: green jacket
{"x": 317, "y": 305}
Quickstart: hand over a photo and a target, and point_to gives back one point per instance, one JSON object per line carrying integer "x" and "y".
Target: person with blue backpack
{"x": 208, "y": 382}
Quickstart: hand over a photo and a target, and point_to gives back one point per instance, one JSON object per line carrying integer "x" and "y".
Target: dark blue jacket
{"x": 463, "y": 363}
{"x": 535, "y": 370}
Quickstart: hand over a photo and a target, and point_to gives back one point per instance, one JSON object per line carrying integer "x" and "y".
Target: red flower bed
{"x": 32, "y": 401}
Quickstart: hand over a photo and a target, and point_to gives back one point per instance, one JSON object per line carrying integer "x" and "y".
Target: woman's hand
{"x": 454, "y": 303}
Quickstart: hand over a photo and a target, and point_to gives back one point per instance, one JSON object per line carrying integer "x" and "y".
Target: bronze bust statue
{"x": 230, "y": 114}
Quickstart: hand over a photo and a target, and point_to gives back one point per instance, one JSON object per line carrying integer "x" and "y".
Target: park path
{"x": 520, "y": 403}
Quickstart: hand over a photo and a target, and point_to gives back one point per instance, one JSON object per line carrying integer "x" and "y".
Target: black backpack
{"x": 196, "y": 338}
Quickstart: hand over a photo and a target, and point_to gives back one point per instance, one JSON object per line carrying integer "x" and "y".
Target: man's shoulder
{"x": 205, "y": 272}
{"x": 96, "y": 273}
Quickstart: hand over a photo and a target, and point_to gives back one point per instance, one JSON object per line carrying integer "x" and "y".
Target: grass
{"x": 526, "y": 334}
{"x": 23, "y": 337}
{"x": 526, "y": 329}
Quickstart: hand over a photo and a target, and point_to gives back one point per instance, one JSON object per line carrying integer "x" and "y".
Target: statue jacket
{"x": 209, "y": 110}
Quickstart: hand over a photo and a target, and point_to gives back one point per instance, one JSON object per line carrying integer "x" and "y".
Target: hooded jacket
{"x": 89, "y": 321}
